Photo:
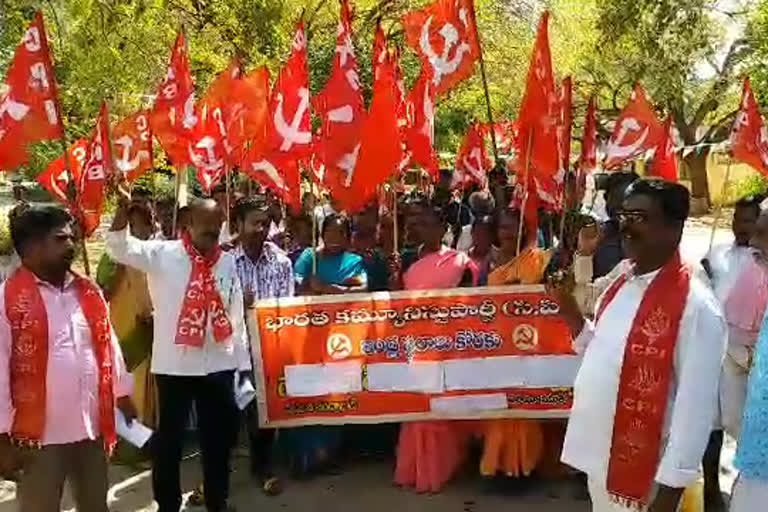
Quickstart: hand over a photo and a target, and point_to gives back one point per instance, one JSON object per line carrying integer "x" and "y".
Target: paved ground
{"x": 368, "y": 485}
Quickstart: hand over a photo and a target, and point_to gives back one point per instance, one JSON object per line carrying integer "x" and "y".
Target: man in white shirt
{"x": 723, "y": 265}
{"x": 61, "y": 370}
{"x": 646, "y": 393}
{"x": 199, "y": 347}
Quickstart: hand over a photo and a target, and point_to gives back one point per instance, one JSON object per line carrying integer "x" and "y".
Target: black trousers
{"x": 217, "y": 421}
{"x": 260, "y": 443}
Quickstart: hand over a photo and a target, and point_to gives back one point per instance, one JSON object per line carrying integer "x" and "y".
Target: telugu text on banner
{"x": 405, "y": 356}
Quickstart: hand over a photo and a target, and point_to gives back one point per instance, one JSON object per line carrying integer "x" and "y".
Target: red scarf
{"x": 200, "y": 300}
{"x": 646, "y": 374}
{"x": 27, "y": 316}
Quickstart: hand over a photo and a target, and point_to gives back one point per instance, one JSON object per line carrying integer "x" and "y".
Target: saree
{"x": 517, "y": 447}
{"x": 429, "y": 453}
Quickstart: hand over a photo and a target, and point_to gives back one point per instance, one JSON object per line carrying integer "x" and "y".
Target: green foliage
{"x": 6, "y": 244}
{"x": 753, "y": 185}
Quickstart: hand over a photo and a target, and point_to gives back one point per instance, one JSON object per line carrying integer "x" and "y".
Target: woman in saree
{"x": 130, "y": 310}
{"x": 430, "y": 452}
{"x": 514, "y": 447}
{"x": 314, "y": 449}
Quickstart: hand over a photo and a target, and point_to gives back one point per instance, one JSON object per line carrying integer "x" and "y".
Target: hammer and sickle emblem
{"x": 210, "y": 162}
{"x": 125, "y": 163}
{"x": 291, "y": 133}
{"x": 16, "y": 110}
{"x": 442, "y": 65}
{"x": 267, "y": 168}
{"x": 475, "y": 170}
{"x": 617, "y": 150}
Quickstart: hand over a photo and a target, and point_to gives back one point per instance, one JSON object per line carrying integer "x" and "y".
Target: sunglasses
{"x": 632, "y": 216}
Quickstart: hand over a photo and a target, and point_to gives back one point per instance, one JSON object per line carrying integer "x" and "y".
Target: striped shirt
{"x": 269, "y": 277}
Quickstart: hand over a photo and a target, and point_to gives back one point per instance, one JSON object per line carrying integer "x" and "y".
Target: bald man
{"x": 199, "y": 345}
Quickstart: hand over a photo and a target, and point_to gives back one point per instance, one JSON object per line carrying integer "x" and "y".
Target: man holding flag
{"x": 200, "y": 346}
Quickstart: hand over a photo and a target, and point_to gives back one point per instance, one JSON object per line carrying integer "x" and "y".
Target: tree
{"x": 667, "y": 45}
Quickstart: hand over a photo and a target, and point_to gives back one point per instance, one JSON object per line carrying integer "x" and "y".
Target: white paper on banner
{"x": 302, "y": 380}
{"x": 468, "y": 403}
{"x": 511, "y": 372}
{"x": 413, "y": 377}
{"x": 136, "y": 433}
{"x": 549, "y": 371}
{"x": 480, "y": 373}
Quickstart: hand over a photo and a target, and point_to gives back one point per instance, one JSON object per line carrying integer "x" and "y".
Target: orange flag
{"x": 420, "y": 129}
{"x": 93, "y": 180}
{"x": 28, "y": 108}
{"x": 174, "y": 116}
{"x": 637, "y": 130}
{"x": 539, "y": 116}
{"x": 132, "y": 145}
{"x": 748, "y": 139}
{"x": 55, "y": 178}
{"x": 566, "y": 94}
{"x": 444, "y": 34}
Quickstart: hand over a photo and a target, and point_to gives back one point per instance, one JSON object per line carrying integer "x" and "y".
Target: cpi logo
{"x": 339, "y": 346}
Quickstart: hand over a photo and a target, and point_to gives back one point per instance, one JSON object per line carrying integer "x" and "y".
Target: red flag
{"x": 420, "y": 130}
{"x": 566, "y": 92}
{"x": 28, "y": 107}
{"x": 132, "y": 145}
{"x": 540, "y": 112}
{"x": 341, "y": 109}
{"x": 665, "y": 161}
{"x": 444, "y": 34}
{"x": 506, "y": 135}
{"x": 380, "y": 150}
{"x": 55, "y": 178}
{"x": 637, "y": 130}
{"x": 380, "y": 51}
{"x": 588, "y": 158}
{"x": 93, "y": 180}
{"x": 173, "y": 117}
{"x": 281, "y": 175}
{"x": 472, "y": 161}
{"x": 207, "y": 150}
{"x": 749, "y": 143}
{"x": 289, "y": 132}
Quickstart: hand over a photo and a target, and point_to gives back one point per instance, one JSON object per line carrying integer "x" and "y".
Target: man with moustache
{"x": 199, "y": 347}
{"x": 646, "y": 393}
{"x": 61, "y": 370}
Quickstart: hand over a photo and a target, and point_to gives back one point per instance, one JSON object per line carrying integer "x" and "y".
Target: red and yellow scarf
{"x": 646, "y": 375}
{"x": 201, "y": 300}
{"x": 27, "y": 316}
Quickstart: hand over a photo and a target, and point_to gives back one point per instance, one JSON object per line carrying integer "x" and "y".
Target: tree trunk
{"x": 696, "y": 165}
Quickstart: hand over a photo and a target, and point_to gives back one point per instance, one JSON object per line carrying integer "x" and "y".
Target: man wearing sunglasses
{"x": 646, "y": 393}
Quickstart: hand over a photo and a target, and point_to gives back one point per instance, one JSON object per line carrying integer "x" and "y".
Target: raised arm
{"x": 124, "y": 248}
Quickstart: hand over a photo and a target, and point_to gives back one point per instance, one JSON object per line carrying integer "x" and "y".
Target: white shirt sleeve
{"x": 587, "y": 334}
{"x": 698, "y": 359}
{"x": 128, "y": 250}
{"x": 239, "y": 332}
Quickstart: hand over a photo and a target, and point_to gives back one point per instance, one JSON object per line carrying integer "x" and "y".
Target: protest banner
{"x": 414, "y": 355}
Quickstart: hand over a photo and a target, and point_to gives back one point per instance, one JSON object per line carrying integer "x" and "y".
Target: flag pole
{"x": 314, "y": 220}
{"x": 719, "y": 210}
{"x": 525, "y": 193}
{"x": 394, "y": 220}
{"x": 487, "y": 94}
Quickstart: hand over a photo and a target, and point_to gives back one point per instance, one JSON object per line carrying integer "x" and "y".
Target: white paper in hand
{"x": 244, "y": 392}
{"x": 136, "y": 433}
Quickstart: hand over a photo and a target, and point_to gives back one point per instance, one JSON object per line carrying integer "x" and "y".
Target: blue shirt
{"x": 337, "y": 269}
